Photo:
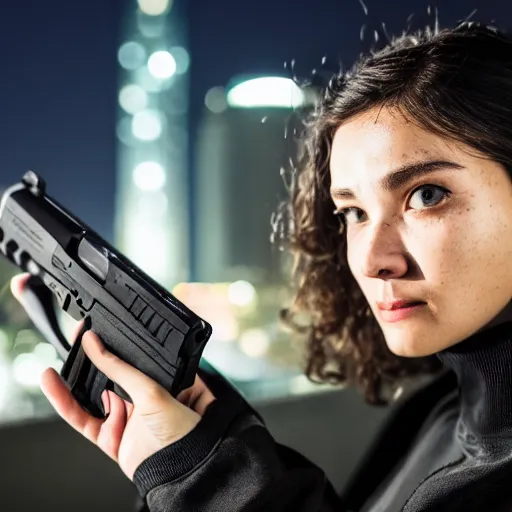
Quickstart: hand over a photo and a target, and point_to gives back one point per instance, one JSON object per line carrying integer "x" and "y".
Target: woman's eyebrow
{"x": 401, "y": 176}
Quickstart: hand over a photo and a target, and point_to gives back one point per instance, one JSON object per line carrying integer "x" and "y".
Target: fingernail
{"x": 106, "y": 401}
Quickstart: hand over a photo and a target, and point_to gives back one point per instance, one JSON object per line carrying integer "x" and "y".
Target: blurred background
{"x": 165, "y": 125}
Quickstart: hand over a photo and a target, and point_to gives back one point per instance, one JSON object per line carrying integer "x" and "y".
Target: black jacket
{"x": 448, "y": 448}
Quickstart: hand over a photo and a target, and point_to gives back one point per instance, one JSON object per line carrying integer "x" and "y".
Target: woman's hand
{"x": 132, "y": 432}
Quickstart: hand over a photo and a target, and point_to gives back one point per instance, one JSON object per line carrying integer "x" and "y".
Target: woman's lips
{"x": 400, "y": 312}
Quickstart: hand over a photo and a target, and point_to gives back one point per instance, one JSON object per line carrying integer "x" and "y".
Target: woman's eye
{"x": 350, "y": 215}
{"x": 423, "y": 197}
{"x": 427, "y": 195}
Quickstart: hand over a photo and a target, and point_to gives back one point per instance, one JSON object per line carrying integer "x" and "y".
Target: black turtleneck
{"x": 483, "y": 364}
{"x": 458, "y": 459}
{"x": 462, "y": 457}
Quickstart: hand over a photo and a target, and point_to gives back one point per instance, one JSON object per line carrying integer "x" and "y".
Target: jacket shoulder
{"x": 405, "y": 420}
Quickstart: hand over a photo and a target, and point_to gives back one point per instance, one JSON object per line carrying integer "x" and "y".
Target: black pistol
{"x": 136, "y": 318}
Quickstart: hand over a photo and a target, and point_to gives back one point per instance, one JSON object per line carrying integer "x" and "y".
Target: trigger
{"x": 61, "y": 293}
{"x": 64, "y": 297}
{"x": 37, "y": 300}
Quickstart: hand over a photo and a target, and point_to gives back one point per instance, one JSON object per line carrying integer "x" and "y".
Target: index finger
{"x": 138, "y": 385}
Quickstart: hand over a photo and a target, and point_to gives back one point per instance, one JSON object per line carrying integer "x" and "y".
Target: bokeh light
{"x": 266, "y": 92}
{"x": 45, "y": 352}
{"x": 154, "y": 7}
{"x": 149, "y": 176}
{"x": 241, "y": 293}
{"x": 254, "y": 342}
{"x": 182, "y": 59}
{"x": 27, "y": 370}
{"x": 133, "y": 98}
{"x": 131, "y": 55}
{"x": 162, "y": 64}
{"x": 147, "y": 125}
{"x": 215, "y": 100}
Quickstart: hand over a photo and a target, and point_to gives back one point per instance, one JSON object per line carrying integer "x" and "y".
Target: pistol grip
{"x": 85, "y": 381}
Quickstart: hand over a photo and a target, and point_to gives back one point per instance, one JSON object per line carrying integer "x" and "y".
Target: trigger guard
{"x": 37, "y": 300}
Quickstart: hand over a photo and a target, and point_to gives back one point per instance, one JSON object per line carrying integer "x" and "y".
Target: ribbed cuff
{"x": 179, "y": 458}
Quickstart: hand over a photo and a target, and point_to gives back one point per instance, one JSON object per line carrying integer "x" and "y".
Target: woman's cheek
{"x": 439, "y": 250}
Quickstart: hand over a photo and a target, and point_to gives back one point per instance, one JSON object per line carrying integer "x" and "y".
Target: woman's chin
{"x": 406, "y": 346}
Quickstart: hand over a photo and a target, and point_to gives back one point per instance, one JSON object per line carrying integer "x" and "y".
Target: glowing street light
{"x": 267, "y": 91}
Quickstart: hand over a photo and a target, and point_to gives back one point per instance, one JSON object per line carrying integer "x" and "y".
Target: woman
{"x": 412, "y": 150}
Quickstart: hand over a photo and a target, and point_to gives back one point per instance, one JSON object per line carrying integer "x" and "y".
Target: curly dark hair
{"x": 454, "y": 82}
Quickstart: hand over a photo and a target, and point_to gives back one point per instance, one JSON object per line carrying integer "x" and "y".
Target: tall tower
{"x": 151, "y": 219}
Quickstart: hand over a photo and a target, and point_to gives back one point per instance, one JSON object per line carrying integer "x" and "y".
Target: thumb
{"x": 134, "y": 382}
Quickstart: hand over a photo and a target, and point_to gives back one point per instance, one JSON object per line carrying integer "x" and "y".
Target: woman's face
{"x": 426, "y": 221}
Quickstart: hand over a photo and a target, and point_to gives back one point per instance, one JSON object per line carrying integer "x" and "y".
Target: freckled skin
{"x": 456, "y": 255}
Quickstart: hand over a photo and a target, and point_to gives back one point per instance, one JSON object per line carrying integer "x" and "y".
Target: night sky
{"x": 58, "y": 69}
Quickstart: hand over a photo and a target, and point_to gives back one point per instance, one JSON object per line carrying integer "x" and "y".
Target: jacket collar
{"x": 483, "y": 365}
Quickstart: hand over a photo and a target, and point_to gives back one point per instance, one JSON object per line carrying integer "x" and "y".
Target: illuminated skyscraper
{"x": 246, "y": 136}
{"x": 152, "y": 209}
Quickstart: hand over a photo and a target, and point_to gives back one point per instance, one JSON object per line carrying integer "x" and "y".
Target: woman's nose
{"x": 384, "y": 254}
